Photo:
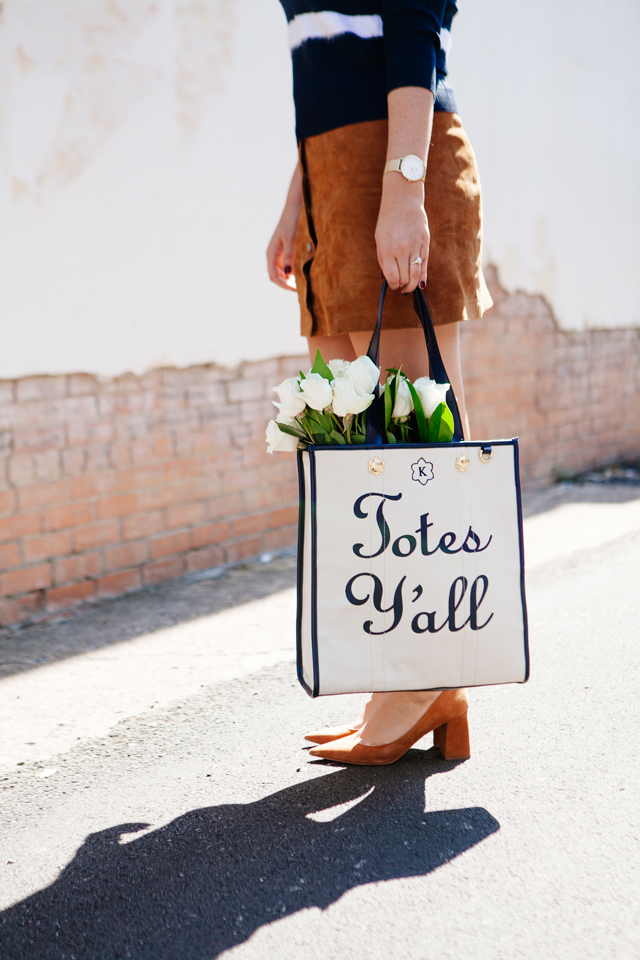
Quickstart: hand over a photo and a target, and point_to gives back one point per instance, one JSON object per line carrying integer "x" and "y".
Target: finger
{"x": 273, "y": 252}
{"x": 391, "y": 272}
{"x": 287, "y": 256}
{"x": 414, "y": 276}
{"x": 287, "y": 278}
{"x": 417, "y": 273}
{"x": 404, "y": 270}
{"x": 278, "y": 274}
{"x": 287, "y": 283}
{"x": 424, "y": 253}
{"x": 423, "y": 274}
{"x": 283, "y": 264}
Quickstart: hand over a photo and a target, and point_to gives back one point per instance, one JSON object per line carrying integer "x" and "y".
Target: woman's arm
{"x": 402, "y": 233}
{"x": 280, "y": 249}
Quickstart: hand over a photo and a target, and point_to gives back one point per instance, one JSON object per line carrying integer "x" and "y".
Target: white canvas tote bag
{"x": 410, "y": 559}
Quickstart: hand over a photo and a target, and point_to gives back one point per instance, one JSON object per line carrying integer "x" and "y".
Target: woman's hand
{"x": 280, "y": 249}
{"x": 402, "y": 233}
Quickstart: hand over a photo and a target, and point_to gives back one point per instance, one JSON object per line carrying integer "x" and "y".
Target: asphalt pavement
{"x": 159, "y": 803}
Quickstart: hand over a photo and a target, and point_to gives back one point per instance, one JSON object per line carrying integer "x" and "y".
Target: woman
{"x": 372, "y": 105}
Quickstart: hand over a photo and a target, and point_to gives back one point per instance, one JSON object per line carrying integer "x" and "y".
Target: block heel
{"x": 454, "y": 738}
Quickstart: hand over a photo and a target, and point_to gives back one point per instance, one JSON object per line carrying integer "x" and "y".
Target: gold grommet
{"x": 462, "y": 463}
{"x": 485, "y": 454}
{"x": 376, "y": 466}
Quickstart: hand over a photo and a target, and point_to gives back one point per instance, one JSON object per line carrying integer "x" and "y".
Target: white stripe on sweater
{"x": 326, "y": 24}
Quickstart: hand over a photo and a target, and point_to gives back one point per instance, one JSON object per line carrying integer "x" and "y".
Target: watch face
{"x": 412, "y": 167}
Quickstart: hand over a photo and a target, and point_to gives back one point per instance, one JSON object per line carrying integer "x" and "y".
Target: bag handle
{"x": 438, "y": 372}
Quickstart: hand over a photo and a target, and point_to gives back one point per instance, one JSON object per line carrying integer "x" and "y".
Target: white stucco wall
{"x": 146, "y": 150}
{"x": 549, "y": 94}
{"x": 146, "y": 147}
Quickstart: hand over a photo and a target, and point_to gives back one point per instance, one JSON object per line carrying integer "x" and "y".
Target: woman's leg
{"x": 398, "y": 712}
{"x": 331, "y": 348}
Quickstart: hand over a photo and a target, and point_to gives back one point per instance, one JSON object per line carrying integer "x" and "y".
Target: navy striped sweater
{"x": 346, "y": 60}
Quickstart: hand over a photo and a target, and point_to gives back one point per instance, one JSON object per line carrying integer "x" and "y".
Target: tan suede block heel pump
{"x": 447, "y": 717}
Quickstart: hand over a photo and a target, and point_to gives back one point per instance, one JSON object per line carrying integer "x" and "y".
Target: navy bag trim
{"x": 315, "y": 690}
{"x": 525, "y": 618}
{"x": 300, "y": 573}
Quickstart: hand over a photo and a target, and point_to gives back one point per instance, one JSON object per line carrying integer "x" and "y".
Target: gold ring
{"x": 417, "y": 260}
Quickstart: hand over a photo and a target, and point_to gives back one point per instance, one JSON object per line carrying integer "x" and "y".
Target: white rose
{"x": 316, "y": 391}
{"x": 348, "y": 395}
{"x": 404, "y": 401}
{"x": 431, "y": 394}
{"x": 278, "y": 441}
{"x": 337, "y": 366}
{"x": 291, "y": 400}
{"x": 365, "y": 373}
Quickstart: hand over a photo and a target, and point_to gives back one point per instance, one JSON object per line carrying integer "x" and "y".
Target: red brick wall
{"x": 573, "y": 398}
{"x": 108, "y": 485}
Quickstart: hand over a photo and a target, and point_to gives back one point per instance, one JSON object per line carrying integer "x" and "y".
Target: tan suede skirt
{"x": 335, "y": 263}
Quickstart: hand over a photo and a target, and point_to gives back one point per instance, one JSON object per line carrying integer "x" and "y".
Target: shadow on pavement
{"x": 206, "y": 881}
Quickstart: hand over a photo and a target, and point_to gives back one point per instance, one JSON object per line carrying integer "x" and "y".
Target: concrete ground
{"x": 158, "y": 801}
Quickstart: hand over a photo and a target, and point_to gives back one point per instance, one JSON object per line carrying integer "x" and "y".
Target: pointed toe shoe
{"x": 446, "y": 717}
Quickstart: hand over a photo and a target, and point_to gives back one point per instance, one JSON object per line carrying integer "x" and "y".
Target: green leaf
{"x": 323, "y": 420}
{"x": 312, "y": 429}
{"x": 394, "y": 391}
{"x": 441, "y": 425}
{"x": 359, "y": 438}
{"x": 390, "y": 437}
{"x": 363, "y": 420}
{"x": 388, "y": 406}
{"x": 319, "y": 366}
{"x": 327, "y": 423}
{"x": 302, "y": 376}
{"x": 421, "y": 420}
{"x": 292, "y": 433}
{"x": 338, "y": 438}
{"x": 312, "y": 415}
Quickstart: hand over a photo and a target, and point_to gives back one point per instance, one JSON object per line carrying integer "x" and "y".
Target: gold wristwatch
{"x": 411, "y": 167}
